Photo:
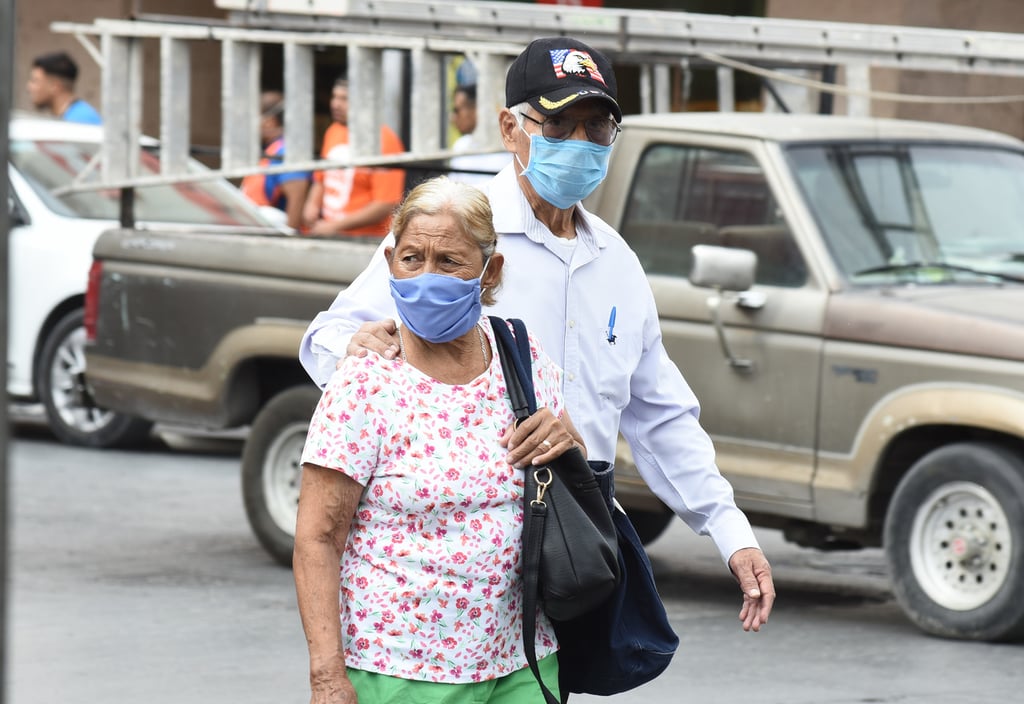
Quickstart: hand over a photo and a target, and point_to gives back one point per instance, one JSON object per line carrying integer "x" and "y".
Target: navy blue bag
{"x": 627, "y": 640}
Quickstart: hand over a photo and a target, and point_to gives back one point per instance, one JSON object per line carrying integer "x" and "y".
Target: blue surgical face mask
{"x": 564, "y": 173}
{"x": 438, "y": 307}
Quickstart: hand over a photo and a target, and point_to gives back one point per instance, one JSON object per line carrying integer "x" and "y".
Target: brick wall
{"x": 982, "y": 15}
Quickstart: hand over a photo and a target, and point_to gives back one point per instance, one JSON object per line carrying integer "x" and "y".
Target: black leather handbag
{"x": 570, "y": 547}
{"x": 625, "y": 639}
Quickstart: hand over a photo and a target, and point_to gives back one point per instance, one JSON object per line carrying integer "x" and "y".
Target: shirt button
{"x": 572, "y": 323}
{"x": 572, "y": 377}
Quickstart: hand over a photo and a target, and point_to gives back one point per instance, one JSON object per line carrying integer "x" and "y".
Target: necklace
{"x": 479, "y": 334}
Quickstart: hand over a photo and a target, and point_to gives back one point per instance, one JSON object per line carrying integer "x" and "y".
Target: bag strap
{"x": 520, "y": 403}
{"x": 514, "y": 353}
{"x": 522, "y": 339}
{"x": 510, "y": 351}
{"x": 533, "y": 539}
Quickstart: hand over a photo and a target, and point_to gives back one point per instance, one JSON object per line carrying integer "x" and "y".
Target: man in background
{"x": 464, "y": 116}
{"x": 51, "y": 87}
{"x": 466, "y": 168}
{"x": 352, "y": 201}
{"x": 284, "y": 191}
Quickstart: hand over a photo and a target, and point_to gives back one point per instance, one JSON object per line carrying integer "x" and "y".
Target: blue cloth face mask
{"x": 564, "y": 173}
{"x": 438, "y": 307}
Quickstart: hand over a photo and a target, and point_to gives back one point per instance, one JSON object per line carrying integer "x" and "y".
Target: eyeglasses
{"x": 600, "y": 130}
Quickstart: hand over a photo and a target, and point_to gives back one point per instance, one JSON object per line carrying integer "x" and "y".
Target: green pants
{"x": 518, "y": 688}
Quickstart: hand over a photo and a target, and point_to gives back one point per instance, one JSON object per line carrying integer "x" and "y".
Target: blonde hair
{"x": 468, "y": 205}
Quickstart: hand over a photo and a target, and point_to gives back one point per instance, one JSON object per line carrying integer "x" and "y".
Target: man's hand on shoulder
{"x": 754, "y": 574}
{"x": 380, "y": 336}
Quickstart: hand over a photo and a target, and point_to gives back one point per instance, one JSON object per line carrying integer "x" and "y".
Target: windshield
{"x": 47, "y": 165}
{"x": 917, "y": 212}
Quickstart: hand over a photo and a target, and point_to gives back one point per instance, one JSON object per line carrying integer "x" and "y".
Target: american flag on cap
{"x": 576, "y": 63}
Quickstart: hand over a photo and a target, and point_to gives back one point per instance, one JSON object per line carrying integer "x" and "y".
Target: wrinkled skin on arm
{"x": 327, "y": 504}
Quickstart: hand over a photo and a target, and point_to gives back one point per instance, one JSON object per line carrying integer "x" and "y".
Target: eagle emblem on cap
{"x": 575, "y": 63}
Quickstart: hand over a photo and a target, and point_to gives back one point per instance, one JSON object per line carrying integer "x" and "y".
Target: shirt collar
{"x": 513, "y": 214}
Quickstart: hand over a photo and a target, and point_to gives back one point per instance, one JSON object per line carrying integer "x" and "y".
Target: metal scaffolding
{"x": 490, "y": 34}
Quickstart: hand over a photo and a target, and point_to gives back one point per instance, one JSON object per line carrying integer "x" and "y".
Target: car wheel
{"x": 649, "y": 524}
{"x": 954, "y": 540}
{"x": 271, "y": 469}
{"x": 72, "y": 414}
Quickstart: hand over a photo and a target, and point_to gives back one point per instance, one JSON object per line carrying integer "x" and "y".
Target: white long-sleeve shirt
{"x": 565, "y": 291}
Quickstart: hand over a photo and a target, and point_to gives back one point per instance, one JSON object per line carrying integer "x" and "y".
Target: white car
{"x": 50, "y": 253}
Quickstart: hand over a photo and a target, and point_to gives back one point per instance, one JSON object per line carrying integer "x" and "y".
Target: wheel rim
{"x": 961, "y": 546}
{"x": 69, "y": 394}
{"x": 282, "y": 475}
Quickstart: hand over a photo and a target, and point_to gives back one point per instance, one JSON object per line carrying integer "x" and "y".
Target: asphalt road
{"x": 136, "y": 579}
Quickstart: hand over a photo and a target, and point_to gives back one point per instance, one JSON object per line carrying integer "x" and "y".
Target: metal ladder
{"x": 490, "y": 34}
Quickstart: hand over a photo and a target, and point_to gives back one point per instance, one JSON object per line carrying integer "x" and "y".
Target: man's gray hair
{"x": 518, "y": 111}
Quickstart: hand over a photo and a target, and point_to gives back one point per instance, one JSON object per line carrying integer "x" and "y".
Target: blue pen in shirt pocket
{"x": 611, "y": 327}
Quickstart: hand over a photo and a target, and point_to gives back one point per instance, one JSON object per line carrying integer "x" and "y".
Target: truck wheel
{"x": 649, "y": 524}
{"x": 954, "y": 539}
{"x": 271, "y": 471}
{"x": 72, "y": 414}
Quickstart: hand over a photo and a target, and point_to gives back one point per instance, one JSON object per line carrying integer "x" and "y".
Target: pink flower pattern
{"x": 431, "y": 582}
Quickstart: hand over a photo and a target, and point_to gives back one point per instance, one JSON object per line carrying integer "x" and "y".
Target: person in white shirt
{"x": 566, "y": 271}
{"x": 474, "y": 169}
{"x": 464, "y": 116}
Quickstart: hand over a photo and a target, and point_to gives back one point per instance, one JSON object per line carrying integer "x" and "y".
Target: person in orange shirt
{"x": 353, "y": 201}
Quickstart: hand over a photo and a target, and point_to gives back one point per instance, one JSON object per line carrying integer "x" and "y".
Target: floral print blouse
{"x": 431, "y": 580}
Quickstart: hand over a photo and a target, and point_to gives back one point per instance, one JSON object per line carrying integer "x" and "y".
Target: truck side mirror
{"x": 723, "y": 268}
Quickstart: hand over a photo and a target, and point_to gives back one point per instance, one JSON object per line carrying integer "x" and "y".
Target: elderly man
{"x": 566, "y": 272}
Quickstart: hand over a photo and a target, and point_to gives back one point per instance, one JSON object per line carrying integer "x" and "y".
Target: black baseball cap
{"x": 554, "y": 72}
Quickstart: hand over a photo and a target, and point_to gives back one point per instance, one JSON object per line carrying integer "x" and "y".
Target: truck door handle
{"x": 751, "y": 300}
{"x": 741, "y": 365}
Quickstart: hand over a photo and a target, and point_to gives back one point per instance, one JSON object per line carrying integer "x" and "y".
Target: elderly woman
{"x": 407, "y": 482}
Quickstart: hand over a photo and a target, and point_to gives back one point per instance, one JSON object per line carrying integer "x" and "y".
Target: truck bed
{"x": 198, "y": 327}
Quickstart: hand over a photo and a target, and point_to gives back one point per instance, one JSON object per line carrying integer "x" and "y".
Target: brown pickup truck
{"x": 845, "y": 296}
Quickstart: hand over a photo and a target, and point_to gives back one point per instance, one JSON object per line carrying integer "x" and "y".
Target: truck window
{"x": 683, "y": 196}
{"x": 892, "y": 205}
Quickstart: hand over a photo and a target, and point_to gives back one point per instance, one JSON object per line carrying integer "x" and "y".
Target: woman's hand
{"x": 330, "y": 684}
{"x": 541, "y": 438}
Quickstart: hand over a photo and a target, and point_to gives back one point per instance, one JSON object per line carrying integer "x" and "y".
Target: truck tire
{"x": 271, "y": 471}
{"x": 649, "y": 524}
{"x": 954, "y": 540}
{"x": 60, "y": 382}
